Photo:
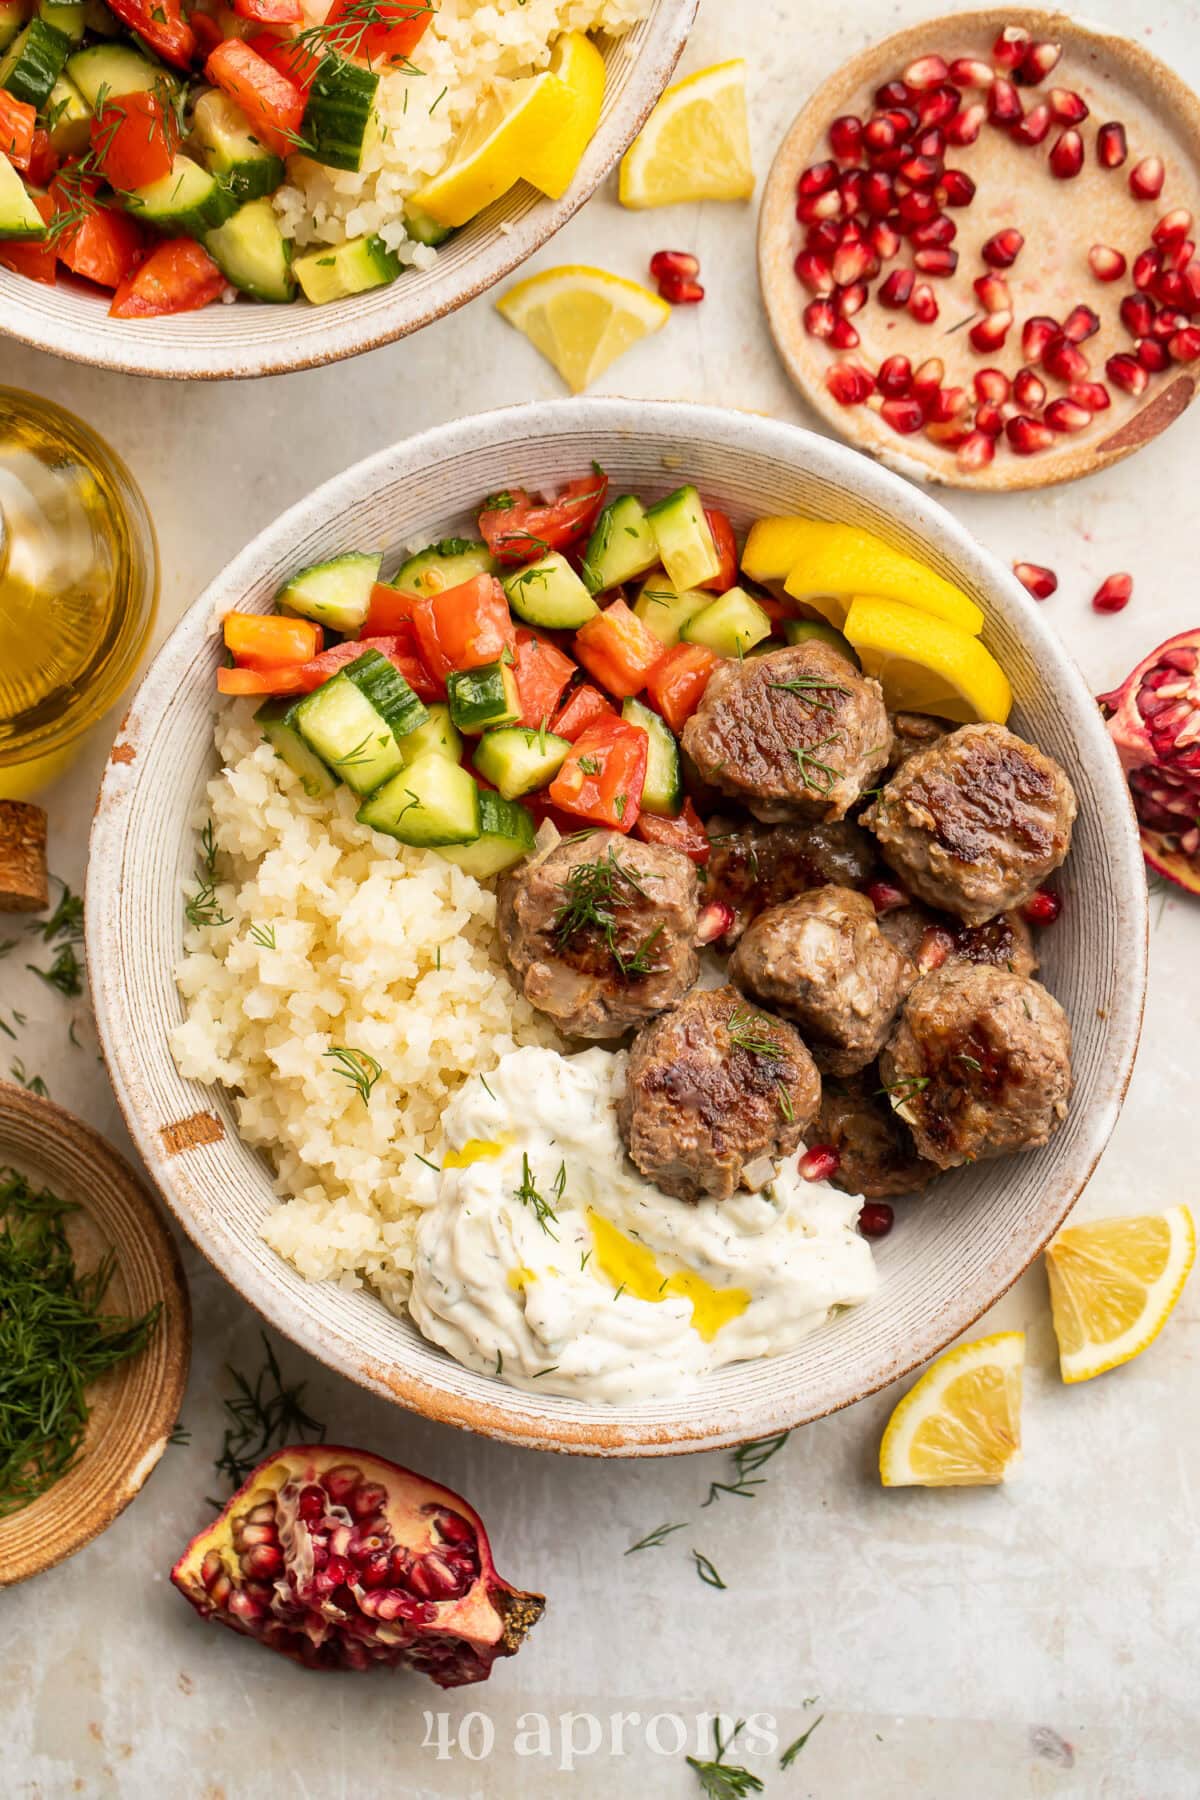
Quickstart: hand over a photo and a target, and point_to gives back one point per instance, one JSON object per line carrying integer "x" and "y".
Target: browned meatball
{"x": 930, "y": 939}
{"x": 878, "y": 1157}
{"x": 763, "y": 865}
{"x": 600, "y": 931}
{"x": 822, "y": 960}
{"x": 912, "y": 732}
{"x": 713, "y": 1087}
{"x": 796, "y": 734}
{"x": 979, "y": 1063}
{"x": 975, "y": 823}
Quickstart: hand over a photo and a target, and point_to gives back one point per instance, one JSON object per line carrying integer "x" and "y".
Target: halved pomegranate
{"x": 341, "y": 1560}
{"x": 1154, "y": 720}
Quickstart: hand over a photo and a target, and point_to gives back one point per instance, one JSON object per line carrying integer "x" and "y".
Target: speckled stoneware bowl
{"x": 950, "y": 1256}
{"x": 250, "y": 339}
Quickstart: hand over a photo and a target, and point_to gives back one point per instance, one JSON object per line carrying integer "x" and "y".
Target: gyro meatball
{"x": 713, "y": 1087}
{"x": 878, "y": 1156}
{"x": 975, "y": 823}
{"x": 980, "y": 1062}
{"x": 600, "y": 931}
{"x": 763, "y": 865}
{"x": 912, "y": 732}
{"x": 930, "y": 939}
{"x": 822, "y": 960}
{"x": 795, "y": 734}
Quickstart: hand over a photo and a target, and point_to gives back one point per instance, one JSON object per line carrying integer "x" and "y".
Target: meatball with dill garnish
{"x": 599, "y": 931}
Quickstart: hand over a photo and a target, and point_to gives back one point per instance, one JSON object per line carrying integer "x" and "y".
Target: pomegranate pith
{"x": 1154, "y": 721}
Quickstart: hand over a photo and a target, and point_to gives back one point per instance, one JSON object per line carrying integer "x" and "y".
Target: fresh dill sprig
{"x": 529, "y": 1195}
{"x": 807, "y": 687}
{"x": 181, "y": 1434}
{"x": 591, "y": 892}
{"x": 750, "y": 1031}
{"x": 349, "y": 32}
{"x": 66, "y": 921}
{"x": 654, "y": 1538}
{"x": 721, "y": 1780}
{"x": 793, "y": 1750}
{"x": 65, "y": 972}
{"x": 905, "y": 1087}
{"x": 817, "y": 775}
{"x": 706, "y": 1571}
{"x": 33, "y": 1084}
{"x": 264, "y": 936}
{"x": 263, "y": 1416}
{"x": 203, "y": 907}
{"x": 749, "y": 1458}
{"x": 356, "y": 1067}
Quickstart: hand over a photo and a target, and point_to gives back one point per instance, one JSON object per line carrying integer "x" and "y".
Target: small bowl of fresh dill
{"x": 95, "y": 1334}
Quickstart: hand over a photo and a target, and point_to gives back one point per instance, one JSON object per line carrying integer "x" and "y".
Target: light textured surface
{"x": 1035, "y": 1642}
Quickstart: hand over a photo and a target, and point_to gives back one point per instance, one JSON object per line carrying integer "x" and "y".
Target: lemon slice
{"x": 582, "y": 319}
{"x": 838, "y": 561}
{"x": 960, "y": 1426}
{"x": 1113, "y": 1286}
{"x": 695, "y": 145}
{"x": 579, "y": 65}
{"x": 773, "y": 548}
{"x": 925, "y": 665}
{"x": 507, "y": 131}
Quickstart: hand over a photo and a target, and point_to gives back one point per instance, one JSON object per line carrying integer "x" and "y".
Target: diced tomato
{"x": 618, "y": 649}
{"x": 582, "y": 708}
{"x": 464, "y": 627}
{"x": 18, "y": 122}
{"x": 685, "y": 833}
{"x": 179, "y": 276}
{"x": 273, "y": 104}
{"x": 676, "y": 687}
{"x": 603, "y": 777}
{"x": 270, "y": 12}
{"x": 160, "y": 24}
{"x": 39, "y": 262}
{"x": 302, "y": 678}
{"x": 388, "y": 610}
{"x": 43, "y": 160}
{"x": 542, "y": 672}
{"x": 289, "y": 57}
{"x": 726, "y": 544}
{"x": 378, "y": 31}
{"x": 208, "y": 32}
{"x": 271, "y": 640}
{"x": 517, "y": 528}
{"x": 134, "y": 139}
{"x": 106, "y": 246}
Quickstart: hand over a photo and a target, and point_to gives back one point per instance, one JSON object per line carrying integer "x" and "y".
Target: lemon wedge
{"x": 925, "y": 665}
{"x": 695, "y": 145}
{"x": 835, "y": 562}
{"x": 1113, "y": 1286}
{"x": 960, "y": 1426}
{"x": 579, "y": 65}
{"x": 773, "y": 548}
{"x": 582, "y": 319}
{"x": 509, "y": 130}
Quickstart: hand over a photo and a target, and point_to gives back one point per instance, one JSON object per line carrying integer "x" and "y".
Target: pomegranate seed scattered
{"x": 1191, "y": 283}
{"x": 879, "y": 133}
{"x": 1152, "y": 355}
{"x": 992, "y": 385}
{"x": 846, "y": 137}
{"x": 814, "y": 272}
{"x": 923, "y": 304}
{"x": 1063, "y": 360}
{"x": 1172, "y": 290}
{"x": 1036, "y": 334}
{"x": 989, "y": 418}
{"x": 1111, "y": 145}
{"x": 1002, "y": 250}
{"x": 823, "y": 238}
{"x": 849, "y": 384}
{"x": 1185, "y": 345}
{"x": 993, "y": 293}
{"x": 1166, "y": 323}
{"x": 850, "y": 300}
{"x": 1137, "y": 315}
{"x": 819, "y": 318}
{"x": 1029, "y": 391}
{"x": 1037, "y": 63}
{"x": 851, "y": 262}
{"x": 1105, "y": 263}
{"x": 975, "y": 452}
{"x": 892, "y": 93}
{"x": 1066, "y": 415}
{"x": 1066, "y": 155}
{"x": 1127, "y": 373}
{"x": 971, "y": 71}
{"x": 895, "y": 376}
{"x": 989, "y": 333}
{"x": 1034, "y": 126}
{"x": 675, "y": 272}
{"x": 895, "y": 289}
{"x": 1043, "y": 907}
{"x": 1011, "y": 47}
{"x": 949, "y": 403}
{"x": 884, "y": 239}
{"x": 1146, "y": 178}
{"x": 1080, "y": 323}
{"x": 921, "y": 171}
{"x": 903, "y": 415}
{"x": 812, "y": 208}
{"x": 1112, "y": 596}
{"x": 677, "y": 290}
{"x": 1092, "y": 394}
{"x": 926, "y": 72}
{"x": 1038, "y": 580}
{"x": 966, "y": 124}
{"x": 957, "y": 189}
{"x": 879, "y": 193}
{"x": 939, "y": 231}
{"x": 917, "y": 207}
{"x": 1068, "y": 106}
{"x": 817, "y": 179}
{"x": 844, "y": 336}
{"x": 1027, "y": 436}
{"x": 876, "y": 1218}
{"x": 1172, "y": 227}
{"x": 1004, "y": 103}
{"x": 819, "y": 1163}
{"x": 716, "y": 918}
{"x": 938, "y": 106}
{"x": 949, "y": 432}
{"x": 937, "y": 260}
{"x": 1146, "y": 269}
{"x": 927, "y": 381}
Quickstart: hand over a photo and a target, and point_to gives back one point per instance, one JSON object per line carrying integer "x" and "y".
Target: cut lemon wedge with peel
{"x": 960, "y": 1426}
{"x": 842, "y": 560}
{"x": 510, "y": 129}
{"x": 579, "y": 65}
{"x": 582, "y": 319}
{"x": 774, "y": 547}
{"x": 1113, "y": 1286}
{"x": 695, "y": 145}
{"x": 925, "y": 665}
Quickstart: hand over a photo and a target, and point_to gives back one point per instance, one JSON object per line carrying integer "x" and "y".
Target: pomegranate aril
{"x": 1112, "y": 595}
{"x": 876, "y": 1218}
{"x": 1137, "y": 315}
{"x": 949, "y": 403}
{"x": 975, "y": 452}
{"x": 923, "y": 304}
{"x": 850, "y": 187}
{"x": 1043, "y": 907}
{"x": 1066, "y": 415}
{"x": 992, "y": 385}
{"x": 993, "y": 293}
{"x": 846, "y": 137}
{"x": 1105, "y": 263}
{"x": 1111, "y": 145}
{"x": 1063, "y": 360}
{"x": 1127, "y": 373}
{"x": 1185, "y": 345}
{"x": 1146, "y": 269}
{"x": 879, "y": 133}
{"x": 927, "y": 380}
{"x": 989, "y": 418}
{"x": 674, "y": 262}
{"x": 1152, "y": 355}
{"x": 815, "y": 272}
{"x": 1034, "y": 126}
{"x": 851, "y": 299}
{"x": 851, "y": 262}
{"x": 957, "y": 188}
{"x": 990, "y": 333}
{"x": 938, "y": 260}
{"x": 1004, "y": 103}
{"x": 1038, "y": 580}
{"x": 896, "y": 288}
{"x": 971, "y": 71}
{"x": 917, "y": 207}
{"x": 884, "y": 239}
{"x": 1029, "y": 391}
{"x": 850, "y": 386}
{"x": 818, "y": 178}
{"x": 921, "y": 171}
{"x": 1011, "y": 47}
{"x": 879, "y": 192}
{"x": 895, "y": 376}
{"x": 340, "y": 1482}
{"x": 1080, "y": 323}
{"x": 1172, "y": 227}
{"x": 926, "y": 72}
{"x": 903, "y": 415}
{"x": 1092, "y": 394}
{"x": 965, "y": 125}
{"x": 263, "y": 1561}
{"x": 1191, "y": 285}
{"x": 938, "y": 106}
{"x": 1037, "y": 63}
{"x": 678, "y": 290}
{"x": 819, "y": 1163}
{"x": 1002, "y": 250}
{"x": 823, "y": 238}
{"x": 1067, "y": 105}
{"x": 1027, "y": 436}
{"x": 812, "y": 208}
{"x": 1146, "y": 178}
{"x": 1167, "y": 322}
{"x": 948, "y": 432}
{"x": 1172, "y": 290}
{"x": 892, "y": 93}
{"x": 1066, "y": 155}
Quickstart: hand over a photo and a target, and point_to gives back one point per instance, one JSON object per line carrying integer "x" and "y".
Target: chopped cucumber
{"x": 622, "y": 545}
{"x": 805, "y": 631}
{"x": 505, "y": 837}
{"x": 665, "y": 612}
{"x": 422, "y": 229}
{"x": 444, "y": 565}
{"x": 549, "y": 593}
{"x": 519, "y": 761}
{"x": 662, "y": 792}
{"x": 278, "y": 721}
{"x": 355, "y": 721}
{"x": 350, "y": 268}
{"x": 231, "y": 150}
{"x": 68, "y": 119}
{"x": 67, "y": 16}
{"x": 20, "y": 220}
{"x": 730, "y": 626}
{"x": 339, "y": 122}
{"x": 431, "y": 802}
{"x": 118, "y": 69}
{"x": 482, "y": 697}
{"x": 252, "y": 252}
{"x": 685, "y": 543}
{"x": 190, "y": 199}
{"x": 336, "y": 593}
{"x": 33, "y": 63}
{"x": 436, "y": 737}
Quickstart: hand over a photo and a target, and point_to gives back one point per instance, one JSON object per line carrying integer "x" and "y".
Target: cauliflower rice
{"x": 337, "y": 936}
{"x": 471, "y": 47}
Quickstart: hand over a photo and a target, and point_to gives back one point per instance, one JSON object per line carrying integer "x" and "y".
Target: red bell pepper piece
{"x": 389, "y": 609}
{"x": 160, "y": 24}
{"x": 297, "y": 62}
{"x": 685, "y": 833}
{"x": 18, "y": 122}
{"x": 542, "y": 672}
{"x": 180, "y": 276}
{"x": 723, "y": 538}
{"x": 618, "y": 649}
{"x": 270, "y": 12}
{"x": 581, "y": 709}
{"x": 39, "y": 262}
{"x": 271, "y": 640}
{"x": 304, "y": 677}
{"x": 273, "y": 104}
{"x": 97, "y": 242}
{"x": 464, "y": 627}
{"x": 134, "y": 139}
{"x": 208, "y": 33}
{"x": 676, "y": 686}
{"x": 43, "y": 160}
{"x": 518, "y": 529}
{"x": 378, "y": 31}
{"x": 603, "y": 777}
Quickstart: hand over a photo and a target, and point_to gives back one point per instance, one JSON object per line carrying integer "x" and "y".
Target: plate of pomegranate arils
{"x": 339, "y": 1559}
{"x": 1154, "y": 720}
{"x": 978, "y": 249}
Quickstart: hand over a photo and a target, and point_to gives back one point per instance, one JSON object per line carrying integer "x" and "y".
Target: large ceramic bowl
{"x": 252, "y": 339}
{"x": 952, "y": 1255}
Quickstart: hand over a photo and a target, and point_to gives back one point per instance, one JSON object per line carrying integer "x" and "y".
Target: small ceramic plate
{"x": 1060, "y": 220}
{"x": 135, "y": 1406}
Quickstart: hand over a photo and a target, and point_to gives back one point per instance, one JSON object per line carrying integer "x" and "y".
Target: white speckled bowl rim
{"x": 247, "y": 339}
{"x": 952, "y": 1254}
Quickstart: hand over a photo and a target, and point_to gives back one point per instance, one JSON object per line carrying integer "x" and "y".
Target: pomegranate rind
{"x": 1164, "y": 782}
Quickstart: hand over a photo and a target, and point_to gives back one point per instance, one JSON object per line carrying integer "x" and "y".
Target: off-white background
{"x": 1039, "y": 1640}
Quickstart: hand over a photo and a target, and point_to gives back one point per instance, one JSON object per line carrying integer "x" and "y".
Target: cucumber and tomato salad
{"x": 543, "y": 668}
